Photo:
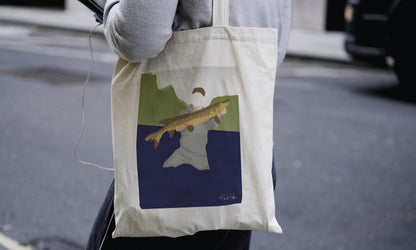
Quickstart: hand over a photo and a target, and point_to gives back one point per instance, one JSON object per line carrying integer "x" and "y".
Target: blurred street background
{"x": 345, "y": 136}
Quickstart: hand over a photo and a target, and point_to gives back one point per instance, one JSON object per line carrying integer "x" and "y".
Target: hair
{"x": 199, "y": 90}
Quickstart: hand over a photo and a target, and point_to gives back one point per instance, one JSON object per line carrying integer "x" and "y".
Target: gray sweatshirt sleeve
{"x": 284, "y": 22}
{"x": 138, "y": 29}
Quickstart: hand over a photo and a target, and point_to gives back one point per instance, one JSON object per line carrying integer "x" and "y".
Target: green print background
{"x": 158, "y": 104}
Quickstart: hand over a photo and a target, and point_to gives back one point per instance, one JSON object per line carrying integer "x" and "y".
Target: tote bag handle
{"x": 220, "y": 12}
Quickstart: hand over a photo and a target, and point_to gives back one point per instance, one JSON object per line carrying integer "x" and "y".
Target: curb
{"x": 292, "y": 51}
{"x": 51, "y": 26}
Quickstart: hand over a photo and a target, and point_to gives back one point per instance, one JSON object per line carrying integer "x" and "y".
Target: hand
{"x": 222, "y": 113}
{"x": 180, "y": 128}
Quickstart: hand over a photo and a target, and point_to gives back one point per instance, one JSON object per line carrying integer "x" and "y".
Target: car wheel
{"x": 402, "y": 43}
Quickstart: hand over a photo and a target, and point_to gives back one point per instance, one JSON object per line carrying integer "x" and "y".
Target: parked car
{"x": 380, "y": 29}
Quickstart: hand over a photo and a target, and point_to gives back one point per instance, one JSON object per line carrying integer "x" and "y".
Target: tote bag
{"x": 192, "y": 133}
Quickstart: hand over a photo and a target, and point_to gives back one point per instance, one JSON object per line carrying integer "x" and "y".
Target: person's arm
{"x": 138, "y": 29}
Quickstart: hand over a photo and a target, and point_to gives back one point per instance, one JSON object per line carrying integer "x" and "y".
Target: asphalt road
{"x": 345, "y": 145}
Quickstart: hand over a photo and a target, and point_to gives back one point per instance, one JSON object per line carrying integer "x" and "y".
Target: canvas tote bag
{"x": 192, "y": 133}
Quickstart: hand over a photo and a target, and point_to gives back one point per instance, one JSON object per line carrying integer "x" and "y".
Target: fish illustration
{"x": 188, "y": 120}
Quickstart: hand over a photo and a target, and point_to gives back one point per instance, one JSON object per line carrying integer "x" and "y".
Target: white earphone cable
{"x": 90, "y": 164}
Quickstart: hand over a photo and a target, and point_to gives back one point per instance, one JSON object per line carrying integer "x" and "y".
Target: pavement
{"x": 318, "y": 45}
{"x": 382, "y": 212}
{"x": 302, "y": 43}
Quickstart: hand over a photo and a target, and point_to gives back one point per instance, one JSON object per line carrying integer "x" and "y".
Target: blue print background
{"x": 185, "y": 186}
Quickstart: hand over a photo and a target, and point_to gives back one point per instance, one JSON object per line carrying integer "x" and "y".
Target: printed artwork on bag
{"x": 188, "y": 151}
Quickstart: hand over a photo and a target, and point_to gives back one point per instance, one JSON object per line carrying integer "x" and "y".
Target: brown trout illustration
{"x": 188, "y": 120}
